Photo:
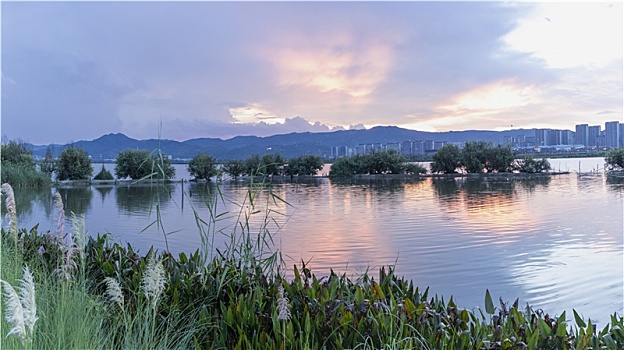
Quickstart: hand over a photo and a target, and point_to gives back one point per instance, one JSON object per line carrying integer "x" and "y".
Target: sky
{"x": 182, "y": 70}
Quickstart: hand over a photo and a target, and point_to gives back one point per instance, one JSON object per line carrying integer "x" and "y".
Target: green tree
{"x": 531, "y": 165}
{"x": 202, "y": 166}
{"x": 103, "y": 174}
{"x": 48, "y": 164}
{"x": 499, "y": 159}
{"x": 18, "y": 166}
{"x": 474, "y": 156}
{"x": 73, "y": 164}
{"x": 305, "y": 165}
{"x": 18, "y": 153}
{"x": 272, "y": 164}
{"x": 234, "y": 167}
{"x": 615, "y": 159}
{"x": 253, "y": 165}
{"x": 446, "y": 160}
{"x": 139, "y": 164}
{"x": 414, "y": 168}
{"x": 343, "y": 167}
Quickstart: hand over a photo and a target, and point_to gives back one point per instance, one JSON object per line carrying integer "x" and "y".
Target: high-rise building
{"x": 418, "y": 147}
{"x": 581, "y": 137}
{"x": 553, "y": 137}
{"x": 567, "y": 137}
{"x": 612, "y": 134}
{"x": 406, "y": 148}
{"x": 541, "y": 137}
{"x": 621, "y": 135}
{"x": 593, "y": 135}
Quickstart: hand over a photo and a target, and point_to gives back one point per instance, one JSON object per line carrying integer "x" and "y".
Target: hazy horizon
{"x": 183, "y": 70}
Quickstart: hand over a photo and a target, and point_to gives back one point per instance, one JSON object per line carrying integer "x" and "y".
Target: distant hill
{"x": 106, "y": 147}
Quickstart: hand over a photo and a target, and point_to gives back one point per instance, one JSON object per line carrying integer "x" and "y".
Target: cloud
{"x": 336, "y": 64}
{"x": 570, "y": 36}
{"x": 204, "y": 68}
{"x": 184, "y": 129}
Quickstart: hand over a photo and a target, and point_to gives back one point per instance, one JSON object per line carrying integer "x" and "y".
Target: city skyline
{"x": 76, "y": 71}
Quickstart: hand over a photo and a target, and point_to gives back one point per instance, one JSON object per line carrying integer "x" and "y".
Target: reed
{"x": 21, "y": 309}
{"x": 11, "y": 214}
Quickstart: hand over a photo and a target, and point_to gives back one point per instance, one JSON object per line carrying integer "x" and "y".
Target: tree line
{"x": 481, "y": 156}
{"x": 73, "y": 163}
{"x": 381, "y": 162}
{"x": 20, "y": 169}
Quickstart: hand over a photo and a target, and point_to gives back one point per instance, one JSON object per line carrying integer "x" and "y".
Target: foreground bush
{"x": 18, "y": 166}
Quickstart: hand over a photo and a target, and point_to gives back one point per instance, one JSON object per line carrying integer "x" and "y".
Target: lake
{"x": 555, "y": 242}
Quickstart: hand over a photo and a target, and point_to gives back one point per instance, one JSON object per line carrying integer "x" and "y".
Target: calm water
{"x": 554, "y": 242}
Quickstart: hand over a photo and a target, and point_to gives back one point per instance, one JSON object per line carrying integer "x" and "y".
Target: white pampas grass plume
{"x": 60, "y": 216}
{"x": 282, "y": 305}
{"x": 14, "y": 312}
{"x": 67, "y": 264}
{"x": 80, "y": 231}
{"x": 153, "y": 283}
{"x": 21, "y": 310}
{"x": 113, "y": 291}
{"x": 11, "y": 208}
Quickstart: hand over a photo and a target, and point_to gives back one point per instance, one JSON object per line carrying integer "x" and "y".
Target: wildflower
{"x": 21, "y": 310}
{"x": 113, "y": 290}
{"x": 41, "y": 250}
{"x": 282, "y": 305}
{"x": 60, "y": 215}
{"x": 11, "y": 208}
{"x": 153, "y": 282}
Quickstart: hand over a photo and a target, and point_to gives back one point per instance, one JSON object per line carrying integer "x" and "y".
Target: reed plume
{"x": 80, "y": 231}
{"x": 113, "y": 291}
{"x": 11, "y": 208}
{"x": 60, "y": 216}
{"x": 282, "y": 305}
{"x": 68, "y": 264}
{"x": 21, "y": 310}
{"x": 153, "y": 283}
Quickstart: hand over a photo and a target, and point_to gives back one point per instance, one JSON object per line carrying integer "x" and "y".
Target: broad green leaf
{"x": 489, "y": 305}
{"x": 561, "y": 329}
{"x": 409, "y": 307}
{"x": 359, "y": 295}
{"x": 544, "y": 328}
{"x": 579, "y": 320}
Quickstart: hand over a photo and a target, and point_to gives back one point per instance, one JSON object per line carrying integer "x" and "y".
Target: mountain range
{"x": 106, "y": 147}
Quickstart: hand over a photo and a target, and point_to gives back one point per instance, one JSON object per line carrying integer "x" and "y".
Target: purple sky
{"x": 77, "y": 70}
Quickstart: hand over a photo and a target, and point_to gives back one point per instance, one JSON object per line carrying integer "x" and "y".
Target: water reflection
{"x": 530, "y": 184}
{"x": 103, "y": 190}
{"x": 25, "y": 199}
{"x": 139, "y": 199}
{"x": 76, "y": 199}
{"x": 615, "y": 181}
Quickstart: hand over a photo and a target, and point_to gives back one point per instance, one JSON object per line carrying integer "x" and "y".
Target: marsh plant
{"x": 11, "y": 212}
{"x": 21, "y": 308}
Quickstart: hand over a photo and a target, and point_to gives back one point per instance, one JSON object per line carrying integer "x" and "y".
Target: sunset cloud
{"x": 218, "y": 69}
{"x": 332, "y": 62}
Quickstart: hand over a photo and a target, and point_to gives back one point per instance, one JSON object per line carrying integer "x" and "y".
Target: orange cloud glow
{"x": 336, "y": 64}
